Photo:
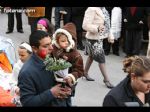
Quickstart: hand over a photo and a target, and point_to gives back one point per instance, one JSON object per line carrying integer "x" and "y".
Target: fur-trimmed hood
{"x": 70, "y": 31}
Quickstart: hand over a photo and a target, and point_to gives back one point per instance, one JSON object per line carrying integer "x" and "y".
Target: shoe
{"x": 88, "y": 78}
{"x": 20, "y": 31}
{"x": 9, "y": 31}
{"x": 108, "y": 84}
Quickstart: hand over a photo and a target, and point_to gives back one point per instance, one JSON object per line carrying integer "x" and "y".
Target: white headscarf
{"x": 26, "y": 46}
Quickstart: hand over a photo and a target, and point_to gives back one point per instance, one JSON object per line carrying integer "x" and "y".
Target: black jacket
{"x": 122, "y": 94}
{"x": 35, "y": 84}
{"x": 133, "y": 21}
{"x": 77, "y": 15}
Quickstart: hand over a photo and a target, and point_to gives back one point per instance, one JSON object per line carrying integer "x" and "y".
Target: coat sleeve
{"x": 77, "y": 67}
{"x": 28, "y": 93}
{"x": 87, "y": 24}
{"x": 109, "y": 101}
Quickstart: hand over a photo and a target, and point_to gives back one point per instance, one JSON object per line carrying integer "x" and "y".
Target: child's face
{"x": 23, "y": 54}
{"x": 41, "y": 27}
{"x": 63, "y": 41}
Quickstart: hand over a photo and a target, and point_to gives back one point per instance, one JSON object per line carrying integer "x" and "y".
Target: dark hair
{"x": 50, "y": 26}
{"x": 137, "y": 64}
{"x": 36, "y": 36}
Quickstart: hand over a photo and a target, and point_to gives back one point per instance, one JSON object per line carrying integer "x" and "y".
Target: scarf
{"x": 133, "y": 10}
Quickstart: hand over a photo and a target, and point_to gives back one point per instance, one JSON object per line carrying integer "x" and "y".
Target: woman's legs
{"x": 87, "y": 67}
{"x": 102, "y": 68}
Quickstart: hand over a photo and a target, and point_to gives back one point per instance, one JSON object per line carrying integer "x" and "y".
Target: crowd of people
{"x": 105, "y": 27}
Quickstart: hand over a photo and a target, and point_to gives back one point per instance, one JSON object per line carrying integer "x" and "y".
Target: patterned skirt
{"x": 94, "y": 48}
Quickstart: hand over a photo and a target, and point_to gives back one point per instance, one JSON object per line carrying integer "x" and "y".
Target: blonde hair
{"x": 137, "y": 64}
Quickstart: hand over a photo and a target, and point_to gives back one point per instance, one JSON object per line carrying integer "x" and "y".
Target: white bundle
{"x": 5, "y": 79}
{"x": 62, "y": 74}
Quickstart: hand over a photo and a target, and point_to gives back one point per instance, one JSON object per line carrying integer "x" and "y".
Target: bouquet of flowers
{"x": 59, "y": 66}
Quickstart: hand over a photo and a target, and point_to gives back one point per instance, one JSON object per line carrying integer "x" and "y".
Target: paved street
{"x": 87, "y": 93}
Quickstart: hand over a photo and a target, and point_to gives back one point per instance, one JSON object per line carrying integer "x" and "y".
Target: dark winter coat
{"x": 77, "y": 16}
{"x": 74, "y": 58}
{"x": 133, "y": 21}
{"x": 122, "y": 94}
{"x": 148, "y": 15}
{"x": 35, "y": 84}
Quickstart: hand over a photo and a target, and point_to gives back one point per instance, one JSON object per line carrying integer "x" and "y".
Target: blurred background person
{"x": 45, "y": 25}
{"x": 134, "y": 20}
{"x": 24, "y": 52}
{"x": 62, "y": 16}
{"x": 77, "y": 19}
{"x": 34, "y": 15}
{"x": 116, "y": 20}
{"x": 48, "y": 13}
{"x": 11, "y": 19}
{"x": 59, "y": 13}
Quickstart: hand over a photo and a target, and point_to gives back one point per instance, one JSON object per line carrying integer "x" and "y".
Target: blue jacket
{"x": 35, "y": 84}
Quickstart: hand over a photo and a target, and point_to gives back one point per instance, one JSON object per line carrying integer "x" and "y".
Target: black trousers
{"x": 11, "y": 21}
{"x": 57, "y": 17}
{"x": 48, "y": 13}
{"x": 107, "y": 46}
{"x": 133, "y": 42}
{"x": 79, "y": 39}
{"x": 66, "y": 17}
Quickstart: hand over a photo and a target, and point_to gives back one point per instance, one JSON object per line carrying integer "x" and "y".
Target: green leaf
{"x": 52, "y": 64}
